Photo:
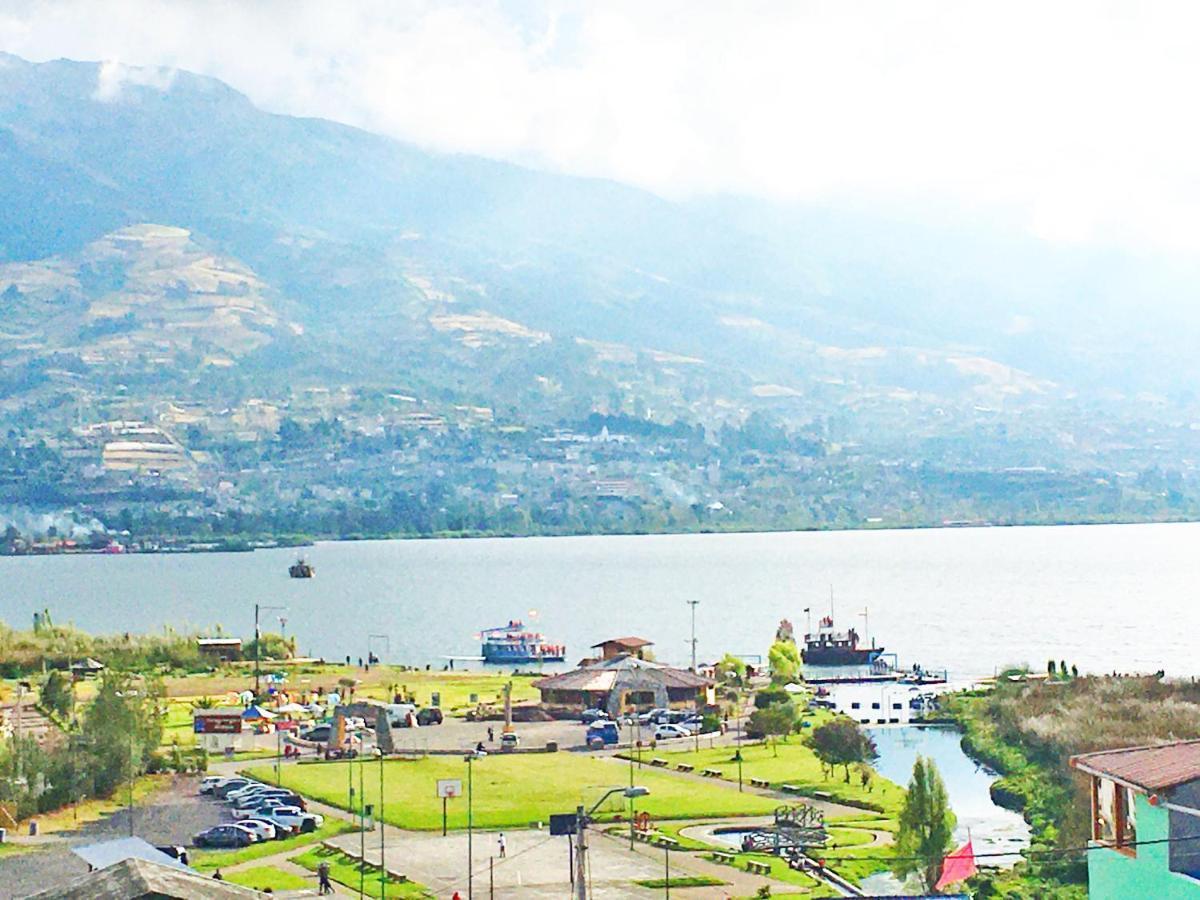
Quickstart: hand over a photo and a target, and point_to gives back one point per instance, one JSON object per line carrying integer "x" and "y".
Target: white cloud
{"x": 114, "y": 75}
{"x": 1072, "y": 117}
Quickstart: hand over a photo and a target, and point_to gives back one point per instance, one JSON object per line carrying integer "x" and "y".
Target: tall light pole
{"x": 379, "y": 819}
{"x": 582, "y": 820}
{"x": 693, "y": 604}
{"x": 470, "y": 758}
{"x": 259, "y": 607}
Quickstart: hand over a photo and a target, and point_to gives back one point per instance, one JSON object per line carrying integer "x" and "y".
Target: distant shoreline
{"x": 248, "y": 545}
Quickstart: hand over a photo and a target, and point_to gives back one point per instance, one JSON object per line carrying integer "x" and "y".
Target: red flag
{"x": 958, "y": 866}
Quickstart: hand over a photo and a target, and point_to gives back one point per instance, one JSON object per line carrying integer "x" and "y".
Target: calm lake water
{"x": 992, "y": 829}
{"x": 970, "y": 600}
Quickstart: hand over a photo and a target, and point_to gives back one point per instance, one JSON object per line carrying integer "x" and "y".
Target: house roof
{"x": 136, "y": 878}
{"x": 106, "y": 853}
{"x": 1151, "y": 768}
{"x": 631, "y": 642}
{"x": 626, "y": 669}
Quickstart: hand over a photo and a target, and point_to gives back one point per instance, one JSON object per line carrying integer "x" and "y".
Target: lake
{"x": 970, "y": 600}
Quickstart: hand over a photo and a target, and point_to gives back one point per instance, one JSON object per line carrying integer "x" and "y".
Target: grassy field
{"x": 514, "y": 791}
{"x": 262, "y": 877}
{"x": 208, "y": 860}
{"x": 68, "y": 818}
{"x": 345, "y": 870}
{"x": 790, "y": 763}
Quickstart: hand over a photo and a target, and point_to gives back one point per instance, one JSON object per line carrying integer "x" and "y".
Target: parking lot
{"x": 171, "y": 816}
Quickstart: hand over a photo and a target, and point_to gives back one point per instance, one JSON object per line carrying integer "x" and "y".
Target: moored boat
{"x": 511, "y": 643}
{"x": 827, "y": 647}
{"x": 302, "y": 569}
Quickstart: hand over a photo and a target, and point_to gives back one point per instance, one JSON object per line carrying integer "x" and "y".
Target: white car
{"x": 263, "y": 830}
{"x": 293, "y": 816}
{"x": 210, "y": 782}
{"x": 670, "y": 732}
{"x": 253, "y": 788}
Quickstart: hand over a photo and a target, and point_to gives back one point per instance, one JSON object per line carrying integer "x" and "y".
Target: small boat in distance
{"x": 302, "y": 569}
{"x": 827, "y": 647}
{"x": 511, "y": 643}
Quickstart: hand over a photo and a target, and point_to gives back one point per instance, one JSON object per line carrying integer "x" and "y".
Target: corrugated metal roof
{"x": 630, "y": 669}
{"x": 1151, "y": 768}
{"x": 107, "y": 853}
{"x": 626, "y": 642}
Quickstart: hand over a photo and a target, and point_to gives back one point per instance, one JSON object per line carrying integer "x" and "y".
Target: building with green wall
{"x": 1145, "y": 822}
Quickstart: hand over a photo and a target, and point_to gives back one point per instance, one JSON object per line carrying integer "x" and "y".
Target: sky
{"x": 1072, "y": 120}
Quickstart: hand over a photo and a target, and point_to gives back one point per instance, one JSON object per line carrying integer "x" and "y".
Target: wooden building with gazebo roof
{"x": 622, "y": 683}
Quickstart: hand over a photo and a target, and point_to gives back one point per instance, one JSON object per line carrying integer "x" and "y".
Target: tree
{"x": 926, "y": 825}
{"x": 56, "y": 694}
{"x": 731, "y": 669}
{"x": 784, "y": 661}
{"x": 841, "y": 742}
{"x": 773, "y": 721}
{"x": 121, "y": 729}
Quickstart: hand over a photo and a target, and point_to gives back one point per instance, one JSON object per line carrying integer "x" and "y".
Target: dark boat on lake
{"x": 831, "y": 648}
{"x": 302, "y": 569}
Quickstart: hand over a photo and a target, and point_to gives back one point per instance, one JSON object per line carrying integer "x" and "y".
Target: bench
{"x": 757, "y": 868}
{"x": 665, "y": 840}
{"x": 711, "y": 773}
{"x": 822, "y": 795}
{"x": 684, "y": 767}
{"x": 723, "y": 858}
{"x": 659, "y": 762}
{"x": 790, "y": 788}
{"x": 760, "y": 783}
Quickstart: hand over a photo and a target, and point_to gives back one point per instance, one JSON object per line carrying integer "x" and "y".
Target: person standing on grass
{"x": 503, "y": 845}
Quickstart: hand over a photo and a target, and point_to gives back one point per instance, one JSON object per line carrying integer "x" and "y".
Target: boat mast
{"x": 866, "y": 625}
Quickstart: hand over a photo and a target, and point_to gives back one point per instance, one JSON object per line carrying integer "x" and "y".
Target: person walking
{"x": 491, "y": 734}
{"x": 503, "y": 845}
{"x": 323, "y": 884}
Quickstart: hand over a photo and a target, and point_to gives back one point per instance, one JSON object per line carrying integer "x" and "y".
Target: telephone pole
{"x": 693, "y": 604}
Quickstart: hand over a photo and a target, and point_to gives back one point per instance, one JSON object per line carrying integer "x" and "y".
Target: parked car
{"x": 224, "y": 836}
{"x": 229, "y": 785}
{"x": 263, "y": 830}
{"x": 430, "y": 716}
{"x": 175, "y": 852}
{"x": 210, "y": 782}
{"x": 266, "y": 804}
{"x": 509, "y": 742}
{"x": 603, "y": 732}
{"x": 654, "y": 716}
{"x": 669, "y": 732}
{"x": 318, "y": 734}
{"x": 693, "y": 724}
{"x": 293, "y": 815}
{"x": 588, "y": 716}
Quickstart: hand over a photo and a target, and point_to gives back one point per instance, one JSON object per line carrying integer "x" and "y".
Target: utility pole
{"x": 693, "y": 604}
{"x": 580, "y": 854}
{"x": 379, "y": 819}
{"x": 258, "y": 641}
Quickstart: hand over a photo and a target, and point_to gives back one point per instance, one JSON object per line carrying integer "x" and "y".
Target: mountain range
{"x": 177, "y": 239}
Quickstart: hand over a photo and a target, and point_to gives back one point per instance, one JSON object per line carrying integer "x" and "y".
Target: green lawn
{"x": 262, "y": 877}
{"x": 512, "y": 791}
{"x": 690, "y": 881}
{"x": 456, "y": 688}
{"x": 220, "y": 859}
{"x": 789, "y": 763}
{"x": 345, "y": 870}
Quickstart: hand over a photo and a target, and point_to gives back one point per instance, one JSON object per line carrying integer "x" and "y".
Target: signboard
{"x": 563, "y": 823}
{"x": 230, "y": 723}
{"x": 449, "y": 788}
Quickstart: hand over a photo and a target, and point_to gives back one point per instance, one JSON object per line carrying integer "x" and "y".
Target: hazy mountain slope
{"x": 363, "y": 236}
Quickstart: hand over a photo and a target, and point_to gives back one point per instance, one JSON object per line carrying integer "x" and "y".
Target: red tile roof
{"x": 1152, "y": 768}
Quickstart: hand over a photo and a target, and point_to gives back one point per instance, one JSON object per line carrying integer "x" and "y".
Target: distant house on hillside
{"x": 1145, "y": 821}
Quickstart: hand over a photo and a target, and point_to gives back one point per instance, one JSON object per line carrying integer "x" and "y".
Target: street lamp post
{"x": 470, "y": 758}
{"x": 582, "y": 820}
{"x": 258, "y": 608}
